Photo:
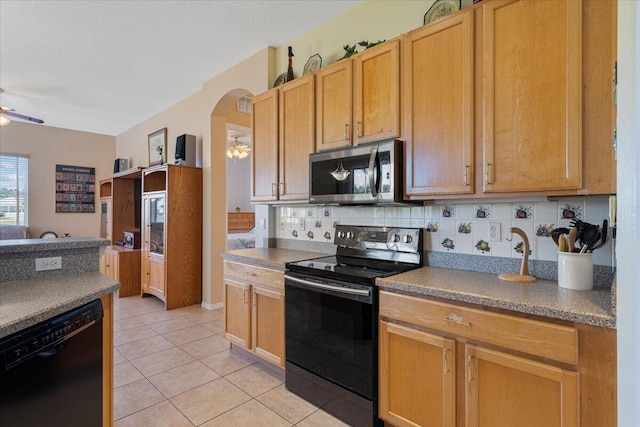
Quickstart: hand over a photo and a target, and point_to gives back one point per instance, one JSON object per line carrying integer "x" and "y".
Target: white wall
{"x": 628, "y": 244}
{"x": 239, "y": 185}
{"x": 48, "y": 147}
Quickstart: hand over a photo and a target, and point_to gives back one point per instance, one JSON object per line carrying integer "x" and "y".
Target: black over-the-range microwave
{"x": 365, "y": 174}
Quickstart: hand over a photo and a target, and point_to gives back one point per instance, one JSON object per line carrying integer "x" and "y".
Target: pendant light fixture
{"x": 237, "y": 150}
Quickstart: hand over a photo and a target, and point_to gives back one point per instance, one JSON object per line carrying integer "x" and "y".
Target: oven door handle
{"x": 341, "y": 289}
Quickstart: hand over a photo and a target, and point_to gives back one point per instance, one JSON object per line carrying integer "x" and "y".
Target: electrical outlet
{"x": 302, "y": 224}
{"x": 281, "y": 224}
{"x": 52, "y": 263}
{"x": 494, "y": 232}
{"x": 263, "y": 223}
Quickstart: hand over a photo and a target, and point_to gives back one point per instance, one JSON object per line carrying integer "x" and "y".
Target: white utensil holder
{"x": 575, "y": 271}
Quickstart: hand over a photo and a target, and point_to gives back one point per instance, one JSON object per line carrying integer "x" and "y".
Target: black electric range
{"x": 331, "y": 311}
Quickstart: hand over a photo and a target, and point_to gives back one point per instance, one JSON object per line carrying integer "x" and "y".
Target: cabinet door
{"x": 156, "y": 276}
{"x": 417, "y": 377}
{"x": 297, "y": 137}
{"x": 268, "y": 324}
{"x": 264, "y": 131}
{"x": 105, "y": 219}
{"x": 377, "y": 93}
{"x": 334, "y": 111}
{"x": 532, "y": 95}
{"x": 438, "y": 107}
{"x": 504, "y": 391}
{"x": 237, "y": 313}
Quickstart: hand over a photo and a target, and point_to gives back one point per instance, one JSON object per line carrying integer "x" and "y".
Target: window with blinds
{"x": 14, "y": 189}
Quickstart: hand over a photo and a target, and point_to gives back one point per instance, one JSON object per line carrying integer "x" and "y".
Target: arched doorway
{"x": 225, "y": 112}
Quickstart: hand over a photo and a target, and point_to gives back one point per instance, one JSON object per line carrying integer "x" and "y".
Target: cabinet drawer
{"x": 254, "y": 275}
{"x": 556, "y": 342}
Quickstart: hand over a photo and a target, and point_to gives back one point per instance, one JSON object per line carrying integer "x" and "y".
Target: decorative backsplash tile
{"x": 457, "y": 227}
{"x": 482, "y": 211}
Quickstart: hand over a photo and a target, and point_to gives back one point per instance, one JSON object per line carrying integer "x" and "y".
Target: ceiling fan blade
{"x": 21, "y": 116}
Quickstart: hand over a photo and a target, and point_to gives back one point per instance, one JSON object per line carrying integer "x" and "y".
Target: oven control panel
{"x": 384, "y": 238}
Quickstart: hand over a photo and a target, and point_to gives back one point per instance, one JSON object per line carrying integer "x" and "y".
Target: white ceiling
{"x": 105, "y": 66}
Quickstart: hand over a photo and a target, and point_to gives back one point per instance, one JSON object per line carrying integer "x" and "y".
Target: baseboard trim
{"x": 214, "y": 306}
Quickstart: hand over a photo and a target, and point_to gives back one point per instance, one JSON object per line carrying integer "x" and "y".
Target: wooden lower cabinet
{"x": 237, "y": 313}
{"x": 417, "y": 377}
{"x": 505, "y": 390}
{"x": 123, "y": 265}
{"x": 107, "y": 360}
{"x": 443, "y": 364}
{"x": 254, "y": 310}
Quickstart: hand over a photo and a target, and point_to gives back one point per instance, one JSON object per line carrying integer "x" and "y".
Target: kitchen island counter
{"x": 542, "y": 298}
{"x": 24, "y": 303}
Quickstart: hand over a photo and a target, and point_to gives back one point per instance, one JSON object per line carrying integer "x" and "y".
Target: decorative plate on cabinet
{"x": 314, "y": 63}
{"x": 440, "y": 9}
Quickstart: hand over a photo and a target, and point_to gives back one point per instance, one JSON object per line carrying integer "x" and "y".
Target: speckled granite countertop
{"x": 274, "y": 258}
{"x": 35, "y": 245}
{"x": 24, "y": 303}
{"x": 543, "y": 297}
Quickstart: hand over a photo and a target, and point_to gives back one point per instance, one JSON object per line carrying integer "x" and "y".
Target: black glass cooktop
{"x": 361, "y": 270}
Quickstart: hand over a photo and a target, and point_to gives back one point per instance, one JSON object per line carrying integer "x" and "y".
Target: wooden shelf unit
{"x": 171, "y": 267}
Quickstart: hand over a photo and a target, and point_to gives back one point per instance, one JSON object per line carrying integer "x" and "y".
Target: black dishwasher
{"x": 51, "y": 373}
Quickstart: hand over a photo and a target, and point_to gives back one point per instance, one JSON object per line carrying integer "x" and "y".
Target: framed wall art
{"x": 75, "y": 189}
{"x": 158, "y": 147}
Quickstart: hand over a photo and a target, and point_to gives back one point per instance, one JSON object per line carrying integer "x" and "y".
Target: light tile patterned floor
{"x": 175, "y": 368}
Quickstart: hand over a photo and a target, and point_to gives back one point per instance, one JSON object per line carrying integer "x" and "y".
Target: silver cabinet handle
{"x": 346, "y": 131}
{"x": 457, "y": 322}
{"x": 486, "y": 174}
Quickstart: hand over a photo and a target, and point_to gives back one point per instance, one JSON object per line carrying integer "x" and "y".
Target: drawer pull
{"x": 457, "y": 322}
{"x": 244, "y": 296}
{"x": 469, "y": 368}
{"x": 445, "y": 357}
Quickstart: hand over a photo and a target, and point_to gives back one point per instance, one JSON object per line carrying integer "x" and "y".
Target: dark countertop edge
{"x": 602, "y": 320}
{"x": 33, "y": 318}
{"x": 34, "y": 245}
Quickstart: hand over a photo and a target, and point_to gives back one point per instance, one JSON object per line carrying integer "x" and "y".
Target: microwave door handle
{"x": 372, "y": 177}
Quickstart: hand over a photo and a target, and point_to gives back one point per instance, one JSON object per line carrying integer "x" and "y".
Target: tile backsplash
{"x": 461, "y": 228}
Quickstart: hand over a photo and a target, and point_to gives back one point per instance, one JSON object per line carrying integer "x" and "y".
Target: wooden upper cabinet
{"x": 377, "y": 93}
{"x": 334, "y": 106}
{"x": 532, "y": 95}
{"x": 438, "y": 108}
{"x": 297, "y": 137}
{"x": 506, "y": 390}
{"x": 264, "y": 131}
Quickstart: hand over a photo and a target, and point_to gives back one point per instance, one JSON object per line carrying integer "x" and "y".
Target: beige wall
{"x": 48, "y": 147}
{"x": 372, "y": 20}
{"x": 204, "y": 115}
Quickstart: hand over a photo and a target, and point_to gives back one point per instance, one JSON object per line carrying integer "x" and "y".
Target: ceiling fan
{"x": 6, "y": 112}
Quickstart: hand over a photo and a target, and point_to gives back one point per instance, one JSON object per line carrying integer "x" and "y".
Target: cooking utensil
{"x": 603, "y": 235}
{"x": 573, "y": 235}
{"x": 557, "y": 232}
{"x": 590, "y": 236}
{"x": 613, "y": 207}
{"x": 563, "y": 243}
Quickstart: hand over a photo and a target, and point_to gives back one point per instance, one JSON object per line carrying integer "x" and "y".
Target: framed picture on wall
{"x": 158, "y": 147}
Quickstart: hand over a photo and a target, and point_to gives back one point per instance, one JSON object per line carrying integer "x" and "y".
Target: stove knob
{"x": 407, "y": 239}
{"x": 350, "y": 235}
{"x": 395, "y": 238}
{"x": 341, "y": 234}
